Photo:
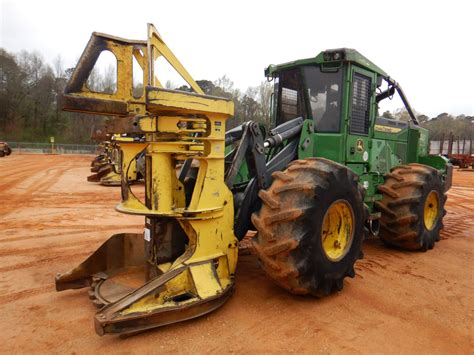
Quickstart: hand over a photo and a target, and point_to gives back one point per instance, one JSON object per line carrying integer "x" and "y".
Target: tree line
{"x": 440, "y": 126}
{"x": 30, "y": 101}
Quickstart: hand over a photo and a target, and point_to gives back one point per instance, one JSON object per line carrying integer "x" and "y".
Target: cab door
{"x": 361, "y": 113}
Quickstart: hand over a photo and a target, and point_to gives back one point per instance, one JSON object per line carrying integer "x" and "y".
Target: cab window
{"x": 325, "y": 96}
{"x": 291, "y": 96}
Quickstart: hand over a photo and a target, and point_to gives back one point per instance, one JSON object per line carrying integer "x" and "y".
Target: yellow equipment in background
{"x": 183, "y": 265}
{"x": 107, "y": 166}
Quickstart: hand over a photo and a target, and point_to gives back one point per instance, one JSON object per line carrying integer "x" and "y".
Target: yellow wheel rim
{"x": 431, "y": 210}
{"x": 337, "y": 230}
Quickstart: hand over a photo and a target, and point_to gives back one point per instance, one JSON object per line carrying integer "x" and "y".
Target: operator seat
{"x": 330, "y": 120}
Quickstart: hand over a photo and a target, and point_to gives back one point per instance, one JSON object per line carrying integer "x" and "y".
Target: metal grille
{"x": 289, "y": 100}
{"x": 360, "y": 104}
{"x": 401, "y": 151}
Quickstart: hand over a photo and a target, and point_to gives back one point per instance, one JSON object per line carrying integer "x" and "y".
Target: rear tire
{"x": 303, "y": 247}
{"x": 412, "y": 207}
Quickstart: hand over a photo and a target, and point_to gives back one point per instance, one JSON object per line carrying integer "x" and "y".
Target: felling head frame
{"x": 186, "y": 259}
{"x": 79, "y": 97}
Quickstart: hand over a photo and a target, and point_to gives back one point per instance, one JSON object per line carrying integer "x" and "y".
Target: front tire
{"x": 311, "y": 226}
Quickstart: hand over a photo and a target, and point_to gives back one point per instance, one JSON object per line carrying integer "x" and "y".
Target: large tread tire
{"x": 289, "y": 225}
{"x": 404, "y": 192}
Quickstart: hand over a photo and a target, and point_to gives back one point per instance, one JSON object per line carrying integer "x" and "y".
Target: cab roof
{"x": 331, "y": 57}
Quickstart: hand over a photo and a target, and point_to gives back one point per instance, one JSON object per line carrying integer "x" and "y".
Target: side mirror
{"x": 379, "y": 81}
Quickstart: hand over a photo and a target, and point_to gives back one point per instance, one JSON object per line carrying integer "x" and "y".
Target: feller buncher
{"x": 107, "y": 166}
{"x": 327, "y": 172}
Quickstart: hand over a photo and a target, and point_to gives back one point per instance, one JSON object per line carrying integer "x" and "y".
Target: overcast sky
{"x": 427, "y": 46}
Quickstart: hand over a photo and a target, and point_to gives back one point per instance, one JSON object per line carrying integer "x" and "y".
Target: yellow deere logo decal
{"x": 360, "y": 145}
{"x": 387, "y": 129}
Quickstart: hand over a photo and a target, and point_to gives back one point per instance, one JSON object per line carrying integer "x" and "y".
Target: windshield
{"x": 324, "y": 92}
{"x": 291, "y": 96}
{"x": 325, "y": 95}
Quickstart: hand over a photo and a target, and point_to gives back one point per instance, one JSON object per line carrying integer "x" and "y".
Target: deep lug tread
{"x": 407, "y": 236}
{"x": 299, "y": 291}
{"x": 406, "y": 184}
{"x": 264, "y": 232}
{"x": 281, "y": 247}
{"x": 402, "y": 223}
{"x": 266, "y": 259}
{"x": 268, "y": 199}
{"x": 388, "y": 229}
{"x": 404, "y": 220}
{"x": 285, "y": 242}
{"x": 394, "y": 176}
{"x": 385, "y": 209}
{"x": 325, "y": 289}
{"x": 404, "y": 171}
{"x": 389, "y": 191}
{"x": 280, "y": 175}
{"x": 283, "y": 216}
{"x": 404, "y": 201}
{"x": 293, "y": 186}
{"x": 351, "y": 273}
{"x": 424, "y": 167}
{"x": 401, "y": 167}
{"x": 286, "y": 273}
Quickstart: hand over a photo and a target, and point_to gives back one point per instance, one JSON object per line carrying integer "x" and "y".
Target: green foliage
{"x": 387, "y": 114}
{"x": 253, "y": 105}
{"x": 30, "y": 94}
{"x": 460, "y": 126}
{"x": 442, "y": 125}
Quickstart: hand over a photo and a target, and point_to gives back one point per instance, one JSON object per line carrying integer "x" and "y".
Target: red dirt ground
{"x": 51, "y": 219}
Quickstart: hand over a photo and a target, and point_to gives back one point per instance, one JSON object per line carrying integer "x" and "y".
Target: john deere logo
{"x": 360, "y": 145}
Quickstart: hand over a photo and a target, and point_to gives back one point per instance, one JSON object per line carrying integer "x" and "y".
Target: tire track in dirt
{"x": 107, "y": 203}
{"x": 47, "y": 173}
{"x": 25, "y": 169}
{"x": 460, "y": 199}
{"x": 17, "y": 296}
{"x": 65, "y": 234}
{"x": 19, "y": 200}
{"x": 54, "y": 175}
{"x": 13, "y": 179}
{"x": 14, "y": 176}
{"x": 57, "y": 213}
{"x": 63, "y": 245}
{"x": 44, "y": 261}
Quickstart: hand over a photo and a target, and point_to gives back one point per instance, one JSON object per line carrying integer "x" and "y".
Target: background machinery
{"x": 106, "y": 165}
{"x": 460, "y": 151}
{"x": 313, "y": 184}
{"x": 5, "y": 149}
{"x": 101, "y": 165}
